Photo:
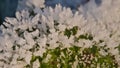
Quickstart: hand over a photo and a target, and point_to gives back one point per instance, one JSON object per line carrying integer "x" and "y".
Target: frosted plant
{"x": 33, "y": 34}
{"x": 107, "y": 19}
{"x": 26, "y": 33}
{"x": 30, "y": 4}
{"x": 73, "y": 4}
{"x": 30, "y": 35}
{"x": 104, "y": 22}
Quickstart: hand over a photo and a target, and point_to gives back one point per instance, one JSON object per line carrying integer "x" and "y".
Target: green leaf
{"x": 33, "y": 59}
{"x": 94, "y": 49}
{"x": 40, "y": 58}
{"x": 74, "y": 30}
{"x": 64, "y": 51}
{"x": 27, "y": 66}
{"x": 57, "y": 51}
{"x": 86, "y": 36}
{"x": 118, "y": 48}
{"x": 67, "y": 32}
{"x": 44, "y": 65}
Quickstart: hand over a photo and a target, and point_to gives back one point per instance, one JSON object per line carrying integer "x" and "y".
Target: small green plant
{"x": 75, "y": 57}
{"x": 72, "y": 31}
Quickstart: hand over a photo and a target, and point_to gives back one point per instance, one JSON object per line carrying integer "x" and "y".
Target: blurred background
{"x": 9, "y": 7}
